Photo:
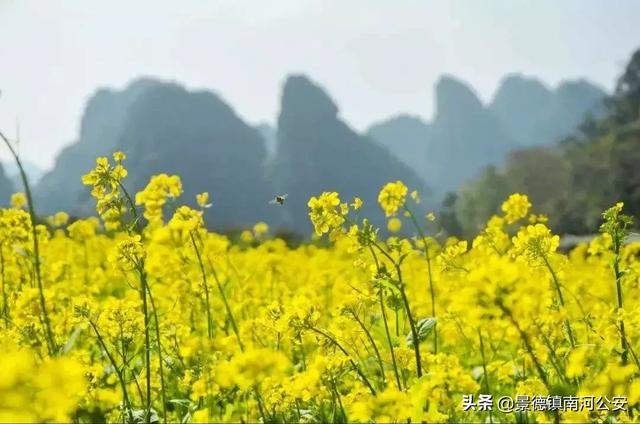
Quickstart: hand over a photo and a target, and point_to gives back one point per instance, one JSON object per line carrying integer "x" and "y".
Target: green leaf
{"x": 424, "y": 327}
{"x": 139, "y": 416}
{"x": 72, "y": 340}
{"x": 388, "y": 283}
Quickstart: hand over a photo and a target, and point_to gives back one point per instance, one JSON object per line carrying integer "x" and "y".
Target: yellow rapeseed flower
{"x": 516, "y": 207}
{"x": 394, "y": 225}
{"x": 203, "y": 200}
{"x": 324, "y": 212}
{"x": 18, "y": 200}
{"x": 392, "y": 197}
{"x": 266, "y": 330}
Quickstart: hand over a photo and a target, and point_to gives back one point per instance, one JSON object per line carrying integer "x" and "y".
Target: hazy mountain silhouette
{"x": 269, "y": 135}
{"x": 197, "y": 136}
{"x": 466, "y": 135}
{"x": 163, "y": 128}
{"x": 536, "y": 115}
{"x": 318, "y": 152}
{"x": 463, "y": 137}
{"x": 407, "y": 137}
{"x": 100, "y": 128}
{"x": 519, "y": 103}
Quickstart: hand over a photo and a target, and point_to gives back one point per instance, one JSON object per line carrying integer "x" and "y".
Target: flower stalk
{"x": 44, "y": 315}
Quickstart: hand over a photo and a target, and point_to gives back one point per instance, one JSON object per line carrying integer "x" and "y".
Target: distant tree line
{"x": 573, "y": 182}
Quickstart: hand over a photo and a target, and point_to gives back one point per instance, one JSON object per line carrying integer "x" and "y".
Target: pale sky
{"x": 376, "y": 57}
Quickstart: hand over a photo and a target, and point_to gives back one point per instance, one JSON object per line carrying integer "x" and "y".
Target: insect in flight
{"x": 279, "y": 199}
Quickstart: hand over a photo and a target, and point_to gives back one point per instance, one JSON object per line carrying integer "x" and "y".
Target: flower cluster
{"x": 155, "y": 195}
{"x": 516, "y": 207}
{"x": 326, "y": 212}
{"x": 30, "y": 391}
{"x": 392, "y": 197}
{"x": 154, "y": 319}
{"x": 106, "y": 187}
{"x": 535, "y": 242}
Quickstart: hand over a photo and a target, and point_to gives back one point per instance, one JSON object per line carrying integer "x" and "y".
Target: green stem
{"x": 487, "y": 387}
{"x": 337, "y": 394}
{"x": 388, "y": 334}
{"x": 160, "y": 360}
{"x": 553, "y": 358}
{"x": 144, "y": 289}
{"x": 373, "y": 344}
{"x": 226, "y": 304}
{"x": 303, "y": 354}
{"x": 386, "y": 323}
{"x": 397, "y": 322}
{"x": 414, "y": 330}
{"x": 138, "y": 388}
{"x": 333, "y": 403}
{"x": 5, "y": 303}
{"x": 206, "y": 287}
{"x": 484, "y": 363}
{"x": 132, "y": 207}
{"x": 556, "y": 284}
{"x": 260, "y": 406}
{"x": 633, "y": 355}
{"x": 51, "y": 343}
{"x": 344, "y": 351}
{"x": 405, "y": 302}
{"x": 618, "y": 277}
{"x": 147, "y": 341}
{"x": 527, "y": 344}
{"x": 430, "y": 272}
{"x": 123, "y": 385}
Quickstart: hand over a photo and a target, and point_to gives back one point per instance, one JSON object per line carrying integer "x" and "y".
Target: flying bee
{"x": 278, "y": 199}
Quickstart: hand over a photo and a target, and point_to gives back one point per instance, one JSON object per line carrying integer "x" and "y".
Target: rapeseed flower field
{"x": 145, "y": 316}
